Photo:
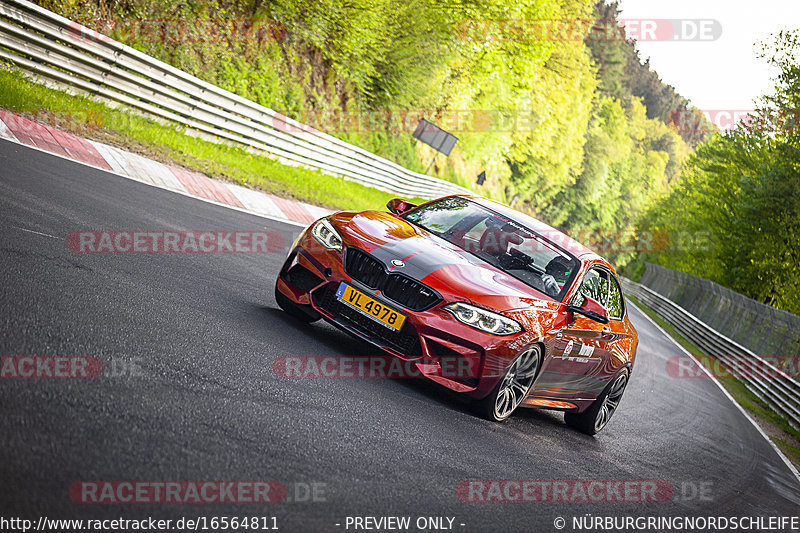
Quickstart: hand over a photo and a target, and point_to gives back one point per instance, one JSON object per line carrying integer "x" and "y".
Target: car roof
{"x": 557, "y": 237}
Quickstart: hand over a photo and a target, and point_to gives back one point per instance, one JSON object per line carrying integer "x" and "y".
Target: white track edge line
{"x": 775, "y": 447}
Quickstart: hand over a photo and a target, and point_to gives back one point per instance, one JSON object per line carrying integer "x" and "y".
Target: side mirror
{"x": 590, "y": 309}
{"x": 398, "y": 206}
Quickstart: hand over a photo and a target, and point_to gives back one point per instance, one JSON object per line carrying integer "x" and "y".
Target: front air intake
{"x": 397, "y": 287}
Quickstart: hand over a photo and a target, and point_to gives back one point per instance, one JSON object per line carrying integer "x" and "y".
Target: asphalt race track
{"x": 192, "y": 338}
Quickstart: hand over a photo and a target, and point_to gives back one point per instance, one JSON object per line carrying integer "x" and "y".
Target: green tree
{"x": 742, "y": 190}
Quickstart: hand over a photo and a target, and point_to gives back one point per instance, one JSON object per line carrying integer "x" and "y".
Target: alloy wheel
{"x": 611, "y": 401}
{"x": 517, "y": 382}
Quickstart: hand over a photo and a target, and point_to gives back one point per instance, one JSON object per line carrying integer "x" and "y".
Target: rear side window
{"x": 615, "y": 307}
{"x": 595, "y": 286}
{"x": 601, "y": 286}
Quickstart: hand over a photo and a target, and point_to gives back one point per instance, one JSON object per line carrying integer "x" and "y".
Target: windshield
{"x": 500, "y": 241}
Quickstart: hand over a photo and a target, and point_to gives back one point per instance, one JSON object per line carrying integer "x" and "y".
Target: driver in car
{"x": 555, "y": 275}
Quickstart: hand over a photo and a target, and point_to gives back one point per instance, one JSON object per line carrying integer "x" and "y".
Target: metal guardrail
{"x": 761, "y": 377}
{"x": 761, "y": 328}
{"x": 63, "y": 52}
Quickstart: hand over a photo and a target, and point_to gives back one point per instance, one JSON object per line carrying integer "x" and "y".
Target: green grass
{"x": 172, "y": 144}
{"x": 787, "y": 437}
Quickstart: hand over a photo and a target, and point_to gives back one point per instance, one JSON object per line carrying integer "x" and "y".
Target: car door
{"x": 579, "y": 365}
{"x": 619, "y": 344}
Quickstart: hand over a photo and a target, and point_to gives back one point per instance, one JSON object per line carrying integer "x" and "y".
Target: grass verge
{"x": 172, "y": 144}
{"x": 777, "y": 429}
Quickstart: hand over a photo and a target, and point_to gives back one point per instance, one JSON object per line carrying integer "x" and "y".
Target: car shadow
{"x": 330, "y": 337}
{"x": 553, "y": 418}
{"x": 540, "y": 416}
{"x": 341, "y": 344}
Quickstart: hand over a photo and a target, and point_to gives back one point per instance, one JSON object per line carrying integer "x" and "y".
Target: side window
{"x": 615, "y": 307}
{"x": 595, "y": 286}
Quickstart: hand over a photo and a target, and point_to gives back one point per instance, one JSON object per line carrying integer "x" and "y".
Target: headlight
{"x": 483, "y": 320}
{"x": 327, "y": 235}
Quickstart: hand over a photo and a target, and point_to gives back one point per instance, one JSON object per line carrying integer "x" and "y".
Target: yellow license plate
{"x": 370, "y": 307}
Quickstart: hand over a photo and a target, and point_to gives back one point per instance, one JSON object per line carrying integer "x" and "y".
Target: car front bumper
{"x": 444, "y": 350}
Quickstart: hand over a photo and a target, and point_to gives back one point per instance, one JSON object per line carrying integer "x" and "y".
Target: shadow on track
{"x": 343, "y": 345}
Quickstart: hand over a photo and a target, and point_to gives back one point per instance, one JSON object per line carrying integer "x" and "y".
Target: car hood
{"x": 436, "y": 262}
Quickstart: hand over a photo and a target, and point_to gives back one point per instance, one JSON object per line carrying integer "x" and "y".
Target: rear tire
{"x": 512, "y": 388}
{"x": 303, "y": 313}
{"x": 595, "y": 418}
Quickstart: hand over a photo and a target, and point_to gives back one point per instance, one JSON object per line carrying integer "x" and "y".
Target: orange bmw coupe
{"x": 483, "y": 299}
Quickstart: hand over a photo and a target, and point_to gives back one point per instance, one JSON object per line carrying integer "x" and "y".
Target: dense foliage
{"x": 524, "y": 99}
{"x": 738, "y": 204}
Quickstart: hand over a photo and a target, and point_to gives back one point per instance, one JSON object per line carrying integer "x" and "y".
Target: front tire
{"x": 512, "y": 388}
{"x": 600, "y": 412}
{"x": 294, "y": 310}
